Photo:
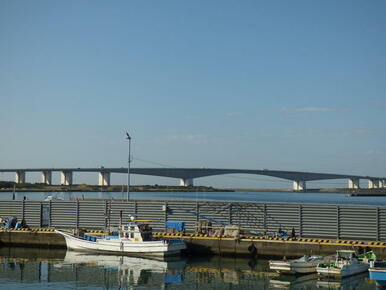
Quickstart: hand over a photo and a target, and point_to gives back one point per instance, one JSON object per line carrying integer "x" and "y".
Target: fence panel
{"x": 358, "y": 223}
{"x": 32, "y": 212}
{"x": 215, "y": 212}
{"x": 309, "y": 220}
{"x": 114, "y": 211}
{"x": 382, "y": 223}
{"x": 183, "y": 211}
{"x": 64, "y": 214}
{"x": 11, "y": 208}
{"x": 92, "y": 214}
{"x": 152, "y": 210}
{"x": 319, "y": 221}
{"x": 282, "y": 216}
{"x": 248, "y": 215}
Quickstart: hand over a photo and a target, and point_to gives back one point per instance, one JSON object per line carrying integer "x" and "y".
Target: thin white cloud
{"x": 189, "y": 138}
{"x": 310, "y": 109}
{"x": 233, "y": 114}
{"x": 349, "y": 132}
{"x": 315, "y": 109}
{"x": 194, "y": 117}
{"x": 373, "y": 152}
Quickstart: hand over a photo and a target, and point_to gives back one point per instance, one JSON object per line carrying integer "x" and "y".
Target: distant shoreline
{"x": 29, "y": 187}
{"x": 8, "y": 186}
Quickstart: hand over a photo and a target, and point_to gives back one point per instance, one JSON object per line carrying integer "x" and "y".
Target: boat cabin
{"x": 136, "y": 232}
{"x": 346, "y": 255}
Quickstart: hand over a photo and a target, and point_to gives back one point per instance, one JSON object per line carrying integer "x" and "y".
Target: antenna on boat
{"x": 128, "y": 138}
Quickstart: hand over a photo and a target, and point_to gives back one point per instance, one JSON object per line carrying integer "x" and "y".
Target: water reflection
{"x": 73, "y": 269}
{"x": 348, "y": 283}
{"x": 293, "y": 281}
{"x": 47, "y": 269}
{"x": 129, "y": 270}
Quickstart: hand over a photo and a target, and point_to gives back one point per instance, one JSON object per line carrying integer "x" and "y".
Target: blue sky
{"x": 292, "y": 85}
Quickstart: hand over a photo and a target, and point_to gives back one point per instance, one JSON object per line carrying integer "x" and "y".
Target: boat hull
{"x": 379, "y": 275}
{"x": 122, "y": 246}
{"x": 345, "y": 271}
{"x": 293, "y": 267}
{"x": 297, "y": 266}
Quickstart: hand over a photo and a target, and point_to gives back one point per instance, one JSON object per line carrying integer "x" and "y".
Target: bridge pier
{"x": 299, "y": 185}
{"x": 374, "y": 183}
{"x": 186, "y": 182}
{"x": 66, "y": 178}
{"x": 46, "y": 177}
{"x": 353, "y": 183}
{"x": 104, "y": 179}
{"x": 20, "y": 177}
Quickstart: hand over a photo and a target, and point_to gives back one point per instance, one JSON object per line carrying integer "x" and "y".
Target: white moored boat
{"x": 133, "y": 239}
{"x": 304, "y": 265}
{"x": 346, "y": 264}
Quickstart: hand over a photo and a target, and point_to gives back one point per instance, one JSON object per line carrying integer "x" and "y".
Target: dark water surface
{"x": 25, "y": 268}
{"x": 288, "y": 197}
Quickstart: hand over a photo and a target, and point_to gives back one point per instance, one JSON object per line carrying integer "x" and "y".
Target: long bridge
{"x": 187, "y": 175}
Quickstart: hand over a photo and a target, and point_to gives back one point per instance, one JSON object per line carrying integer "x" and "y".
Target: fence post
{"x": 378, "y": 222}
{"x": 197, "y": 211}
{"x": 338, "y": 228}
{"x": 23, "y": 209}
{"x": 106, "y": 213}
{"x": 77, "y": 214}
{"x": 49, "y": 214}
{"x": 300, "y": 220}
{"x": 166, "y": 212}
{"x": 230, "y": 213}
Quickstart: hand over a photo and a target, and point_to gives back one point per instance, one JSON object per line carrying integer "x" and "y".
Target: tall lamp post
{"x": 128, "y": 166}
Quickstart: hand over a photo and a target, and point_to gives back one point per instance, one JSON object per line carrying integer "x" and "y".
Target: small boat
{"x": 304, "y": 265}
{"x": 346, "y": 264}
{"x": 134, "y": 238}
{"x": 378, "y": 273}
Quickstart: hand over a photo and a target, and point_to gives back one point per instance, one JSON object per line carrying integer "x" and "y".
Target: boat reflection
{"x": 77, "y": 270}
{"x": 231, "y": 271}
{"x": 293, "y": 281}
{"x": 348, "y": 283}
{"x": 130, "y": 270}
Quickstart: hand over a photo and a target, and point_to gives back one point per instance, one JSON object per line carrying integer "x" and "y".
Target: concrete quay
{"x": 200, "y": 244}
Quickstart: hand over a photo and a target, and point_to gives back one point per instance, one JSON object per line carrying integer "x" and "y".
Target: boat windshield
{"x": 346, "y": 254}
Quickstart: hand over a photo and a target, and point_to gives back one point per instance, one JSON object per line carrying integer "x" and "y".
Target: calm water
{"x": 23, "y": 268}
{"x": 290, "y": 197}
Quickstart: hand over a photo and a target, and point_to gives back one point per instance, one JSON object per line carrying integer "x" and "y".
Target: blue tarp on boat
{"x": 179, "y": 226}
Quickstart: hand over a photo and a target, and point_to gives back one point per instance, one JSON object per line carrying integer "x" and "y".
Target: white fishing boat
{"x": 346, "y": 264}
{"x": 133, "y": 239}
{"x": 304, "y": 265}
